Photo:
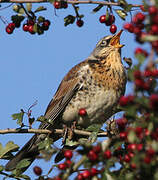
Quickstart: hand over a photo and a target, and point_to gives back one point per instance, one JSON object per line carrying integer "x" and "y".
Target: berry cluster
{"x": 145, "y": 80}
{"x": 108, "y": 21}
{"x": 40, "y": 26}
{"x": 142, "y": 30}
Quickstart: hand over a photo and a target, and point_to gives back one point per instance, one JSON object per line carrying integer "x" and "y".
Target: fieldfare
{"x": 95, "y": 84}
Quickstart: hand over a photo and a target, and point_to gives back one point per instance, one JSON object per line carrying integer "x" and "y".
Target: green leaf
{"x": 24, "y": 176}
{"x": 29, "y": 7}
{"x": 23, "y": 164}
{"x": 9, "y": 147}
{"x": 31, "y": 120}
{"x": 94, "y": 127}
{"x": 140, "y": 57}
{"x": 21, "y": 11}
{"x": 40, "y": 8}
{"x": 132, "y": 137}
{"x": 121, "y": 13}
{"x": 96, "y": 9}
{"x": 69, "y": 20}
{"x": 16, "y": 8}
{"x": 1, "y": 168}
{"x": 71, "y": 143}
{"x": 18, "y": 117}
{"x": 40, "y": 19}
{"x": 17, "y": 18}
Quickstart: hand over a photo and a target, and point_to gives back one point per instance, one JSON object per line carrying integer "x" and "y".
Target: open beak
{"x": 115, "y": 41}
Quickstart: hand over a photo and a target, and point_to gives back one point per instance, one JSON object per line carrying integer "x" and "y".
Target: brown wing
{"x": 65, "y": 92}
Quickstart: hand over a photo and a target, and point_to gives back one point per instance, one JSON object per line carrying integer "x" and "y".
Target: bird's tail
{"x": 26, "y": 152}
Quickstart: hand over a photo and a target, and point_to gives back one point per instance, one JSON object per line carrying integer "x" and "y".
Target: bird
{"x": 95, "y": 84}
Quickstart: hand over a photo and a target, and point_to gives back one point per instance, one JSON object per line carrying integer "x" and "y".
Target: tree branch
{"x": 69, "y": 2}
{"x": 45, "y": 131}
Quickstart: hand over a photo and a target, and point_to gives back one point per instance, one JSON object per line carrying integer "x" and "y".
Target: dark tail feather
{"x": 25, "y": 152}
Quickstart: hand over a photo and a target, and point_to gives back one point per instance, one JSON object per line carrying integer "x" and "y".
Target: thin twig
{"x": 46, "y": 131}
{"x": 69, "y": 2}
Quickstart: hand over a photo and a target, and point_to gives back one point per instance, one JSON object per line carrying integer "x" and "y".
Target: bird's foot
{"x": 65, "y": 133}
{"x": 71, "y": 131}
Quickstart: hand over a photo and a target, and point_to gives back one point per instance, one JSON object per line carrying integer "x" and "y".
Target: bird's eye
{"x": 103, "y": 43}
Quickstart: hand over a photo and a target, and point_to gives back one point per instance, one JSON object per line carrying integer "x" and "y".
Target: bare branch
{"x": 45, "y": 131}
{"x": 69, "y": 2}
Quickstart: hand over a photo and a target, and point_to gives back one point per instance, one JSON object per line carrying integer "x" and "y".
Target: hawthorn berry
{"x": 96, "y": 149}
{"x": 57, "y": 4}
{"x": 82, "y": 112}
{"x": 30, "y": 22}
{"x": 102, "y": 19}
{"x": 153, "y": 101}
{"x": 64, "y": 4}
{"x": 137, "y": 74}
{"x": 86, "y": 174}
{"x": 9, "y": 30}
{"x": 123, "y": 135}
{"x": 37, "y": 170}
{"x": 94, "y": 171}
{"x": 68, "y": 162}
{"x": 110, "y": 20}
{"x": 150, "y": 152}
{"x": 79, "y": 22}
{"x": 25, "y": 27}
{"x": 80, "y": 176}
{"x": 132, "y": 147}
{"x": 45, "y": 25}
{"x": 92, "y": 155}
{"x": 129, "y": 27}
{"x": 11, "y": 25}
{"x": 153, "y": 10}
{"x": 133, "y": 165}
{"x": 31, "y": 29}
{"x": 127, "y": 158}
{"x": 113, "y": 28}
{"x": 147, "y": 159}
{"x": 121, "y": 123}
{"x": 62, "y": 166}
{"x": 107, "y": 154}
{"x": 68, "y": 154}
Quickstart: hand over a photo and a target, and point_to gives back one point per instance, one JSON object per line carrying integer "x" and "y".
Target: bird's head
{"x": 107, "y": 45}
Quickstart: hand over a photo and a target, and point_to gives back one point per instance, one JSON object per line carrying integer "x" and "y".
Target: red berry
{"x": 79, "y": 22}
{"x": 37, "y": 170}
{"x": 147, "y": 159}
{"x": 123, "y": 135}
{"x": 57, "y": 178}
{"x": 139, "y": 83}
{"x": 147, "y": 73}
{"x": 11, "y": 25}
{"x": 155, "y": 73}
{"x": 107, "y": 154}
{"x": 150, "y": 152}
{"x": 137, "y": 74}
{"x": 62, "y": 166}
{"x": 82, "y": 112}
{"x": 31, "y": 29}
{"x": 155, "y": 19}
{"x": 102, "y": 19}
{"x": 121, "y": 122}
{"x": 57, "y": 4}
{"x": 94, "y": 171}
{"x": 113, "y": 28}
{"x": 80, "y": 177}
{"x": 96, "y": 149}
{"x": 30, "y": 22}
{"x": 154, "y": 29}
{"x": 138, "y": 51}
{"x": 68, "y": 162}
{"x": 153, "y": 101}
{"x": 139, "y": 147}
{"x": 133, "y": 165}
{"x": 9, "y": 30}
{"x": 46, "y": 25}
{"x": 129, "y": 27}
{"x": 92, "y": 155}
{"x": 25, "y": 27}
{"x": 153, "y": 10}
{"x": 142, "y": 8}
{"x": 68, "y": 154}
{"x": 132, "y": 147}
{"x": 140, "y": 16}
{"x": 86, "y": 174}
{"x": 127, "y": 158}
{"x": 110, "y": 20}
{"x": 137, "y": 31}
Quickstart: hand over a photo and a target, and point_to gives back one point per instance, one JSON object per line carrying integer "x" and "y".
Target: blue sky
{"x": 32, "y": 66}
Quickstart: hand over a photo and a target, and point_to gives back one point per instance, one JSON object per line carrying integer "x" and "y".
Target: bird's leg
{"x": 71, "y": 130}
{"x": 65, "y": 133}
